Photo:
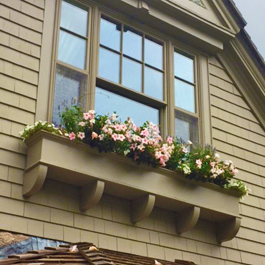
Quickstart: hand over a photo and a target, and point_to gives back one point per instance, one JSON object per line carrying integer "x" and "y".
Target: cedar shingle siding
{"x": 54, "y": 212}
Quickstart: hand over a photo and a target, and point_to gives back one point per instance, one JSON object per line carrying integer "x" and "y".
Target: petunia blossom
{"x": 72, "y": 136}
{"x": 81, "y": 135}
{"x": 94, "y": 135}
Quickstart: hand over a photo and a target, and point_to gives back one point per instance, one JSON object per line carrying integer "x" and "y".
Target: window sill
{"x": 55, "y": 157}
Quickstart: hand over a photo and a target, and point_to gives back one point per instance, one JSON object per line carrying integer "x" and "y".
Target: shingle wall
{"x": 53, "y": 213}
{"x": 238, "y": 136}
{"x": 21, "y": 24}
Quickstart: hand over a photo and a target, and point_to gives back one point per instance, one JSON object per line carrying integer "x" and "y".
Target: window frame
{"x": 167, "y": 108}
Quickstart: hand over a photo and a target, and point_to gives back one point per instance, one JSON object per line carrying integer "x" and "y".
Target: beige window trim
{"x": 46, "y": 61}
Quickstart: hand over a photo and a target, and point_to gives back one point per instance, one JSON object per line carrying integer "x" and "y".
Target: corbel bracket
{"x": 142, "y": 207}
{"x": 187, "y": 219}
{"x": 34, "y": 179}
{"x": 227, "y": 230}
{"x": 143, "y": 6}
{"x": 91, "y": 194}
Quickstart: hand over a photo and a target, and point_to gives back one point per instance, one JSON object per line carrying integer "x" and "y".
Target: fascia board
{"x": 248, "y": 79}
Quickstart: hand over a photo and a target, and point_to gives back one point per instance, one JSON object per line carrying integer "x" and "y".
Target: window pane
{"x": 153, "y": 83}
{"x": 184, "y": 96}
{"x": 132, "y": 74}
{"x": 108, "y": 102}
{"x": 110, "y": 34}
{"x": 109, "y": 65}
{"x": 183, "y": 67}
{"x": 132, "y": 44}
{"x": 153, "y": 54}
{"x": 182, "y": 130}
{"x": 70, "y": 87}
{"x": 186, "y": 127}
{"x": 72, "y": 50}
{"x": 74, "y": 19}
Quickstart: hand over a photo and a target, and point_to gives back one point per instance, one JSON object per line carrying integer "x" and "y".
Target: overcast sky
{"x": 253, "y": 12}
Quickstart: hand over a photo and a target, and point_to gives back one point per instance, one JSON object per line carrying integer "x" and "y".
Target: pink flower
{"x": 81, "y": 135}
{"x": 162, "y": 162}
{"x": 114, "y": 136}
{"x": 234, "y": 171}
{"x": 117, "y": 127}
{"x": 212, "y": 164}
{"x": 145, "y": 132}
{"x": 198, "y": 163}
{"x": 169, "y": 139}
{"x": 133, "y": 146}
{"x": 72, "y": 136}
{"x": 123, "y": 127}
{"x": 135, "y": 156}
{"x": 94, "y": 135}
{"x": 121, "y": 137}
{"x": 144, "y": 140}
{"x": 184, "y": 150}
{"x": 86, "y": 116}
{"x": 141, "y": 147}
{"x": 92, "y": 114}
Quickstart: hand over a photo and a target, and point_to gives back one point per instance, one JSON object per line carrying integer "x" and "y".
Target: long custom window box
{"x": 55, "y": 157}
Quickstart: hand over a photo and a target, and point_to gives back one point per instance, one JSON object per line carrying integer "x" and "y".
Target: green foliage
{"x": 143, "y": 145}
{"x": 70, "y": 118}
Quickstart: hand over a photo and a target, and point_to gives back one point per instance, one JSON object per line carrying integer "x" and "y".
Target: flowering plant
{"x": 143, "y": 145}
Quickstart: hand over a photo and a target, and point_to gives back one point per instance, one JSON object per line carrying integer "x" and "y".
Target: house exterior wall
{"x": 54, "y": 212}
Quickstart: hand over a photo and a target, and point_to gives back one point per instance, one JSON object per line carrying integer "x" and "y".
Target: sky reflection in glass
{"x": 108, "y": 102}
{"x": 74, "y": 19}
{"x": 72, "y": 50}
{"x": 132, "y": 74}
{"x": 153, "y": 83}
{"x": 153, "y": 54}
{"x": 183, "y": 67}
{"x": 184, "y": 96}
{"x": 109, "y": 65}
{"x": 132, "y": 44}
{"x": 110, "y": 36}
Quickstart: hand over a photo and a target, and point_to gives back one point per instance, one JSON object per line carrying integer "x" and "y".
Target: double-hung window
{"x": 127, "y": 61}
{"x": 131, "y": 76}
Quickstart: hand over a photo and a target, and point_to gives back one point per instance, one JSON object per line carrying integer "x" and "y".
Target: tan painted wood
{"x": 142, "y": 207}
{"x": 91, "y": 194}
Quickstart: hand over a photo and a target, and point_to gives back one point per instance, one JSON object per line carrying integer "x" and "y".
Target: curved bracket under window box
{"x": 56, "y": 157}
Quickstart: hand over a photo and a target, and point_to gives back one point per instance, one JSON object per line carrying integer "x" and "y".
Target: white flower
{"x": 126, "y": 152}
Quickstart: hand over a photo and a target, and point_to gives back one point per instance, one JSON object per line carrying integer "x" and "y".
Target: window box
{"x": 55, "y": 157}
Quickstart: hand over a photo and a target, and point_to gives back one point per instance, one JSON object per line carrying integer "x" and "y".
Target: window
{"x": 130, "y": 74}
{"x": 126, "y": 58}
{"x": 186, "y": 120}
{"x": 70, "y": 82}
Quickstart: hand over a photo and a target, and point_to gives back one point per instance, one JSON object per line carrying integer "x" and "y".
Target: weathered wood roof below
{"x": 82, "y": 254}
